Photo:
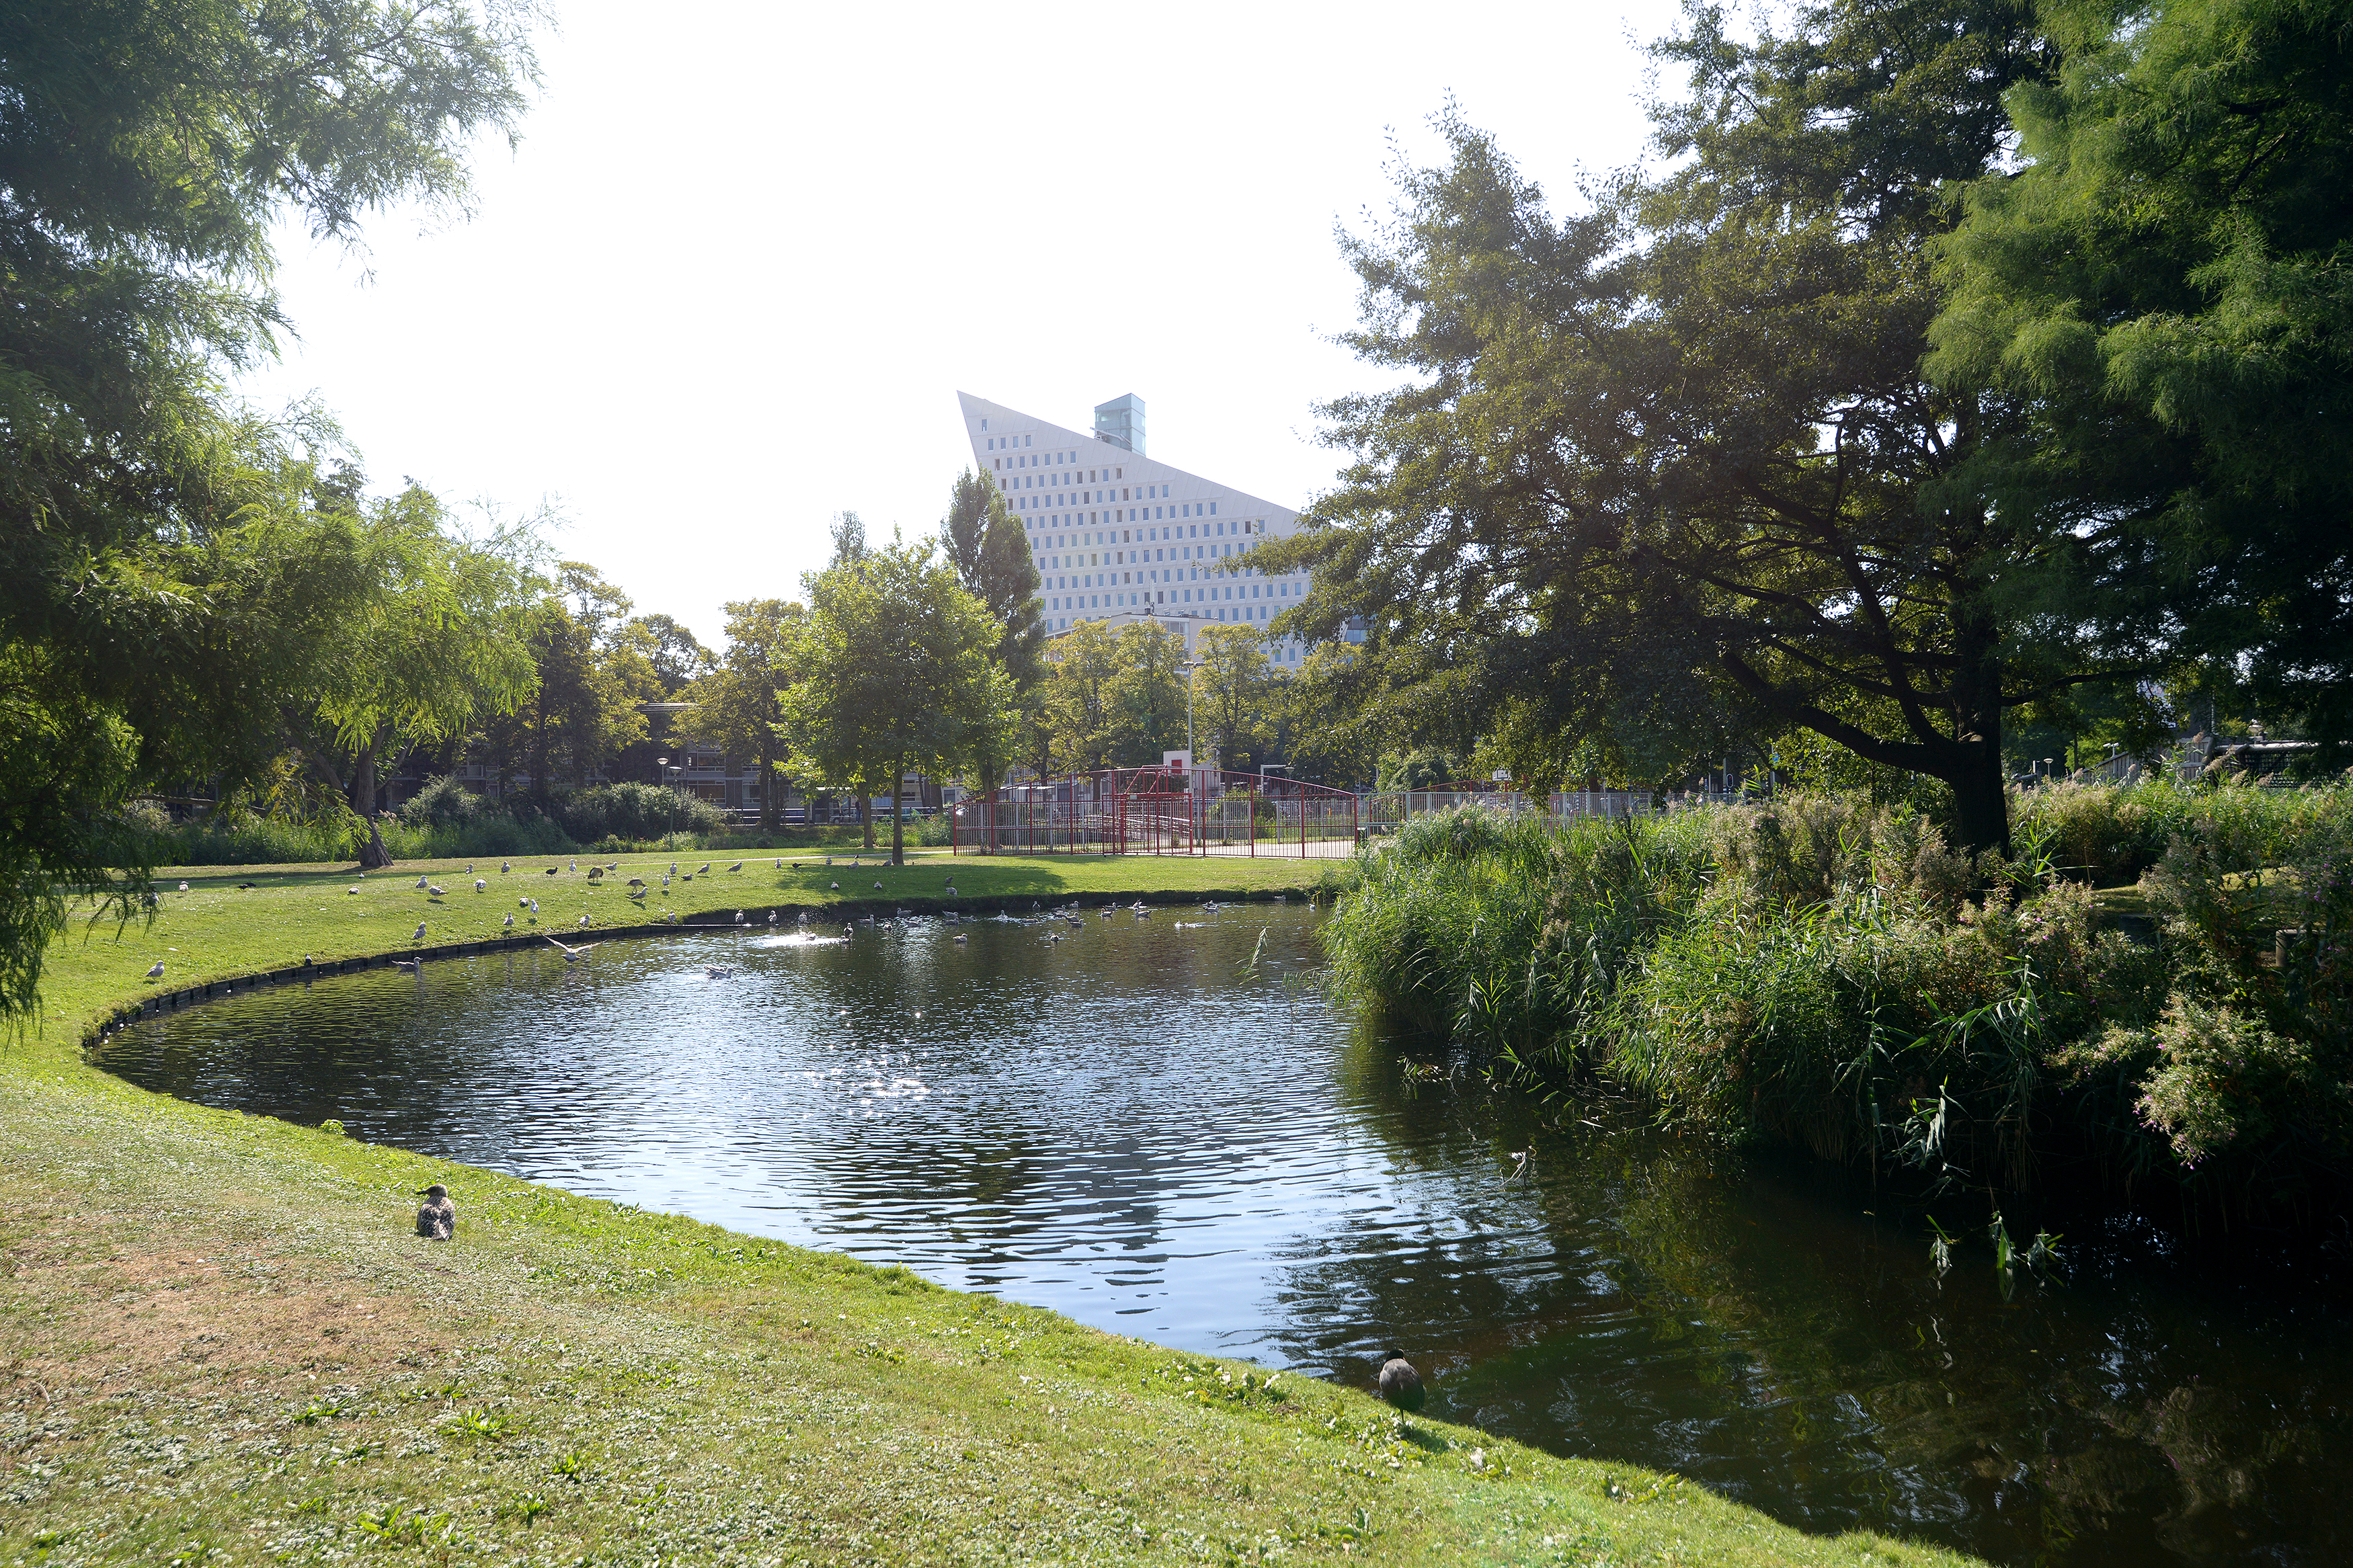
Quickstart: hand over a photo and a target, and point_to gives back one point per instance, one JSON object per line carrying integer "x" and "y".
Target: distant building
{"x": 1120, "y": 538}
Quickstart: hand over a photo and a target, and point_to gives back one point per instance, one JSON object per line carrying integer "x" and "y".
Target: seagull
{"x": 637, "y": 881}
{"x": 576, "y": 866}
{"x": 409, "y": 964}
{"x": 571, "y": 954}
{"x": 673, "y": 868}
{"x": 1400, "y": 1384}
{"x": 420, "y": 932}
{"x": 480, "y": 885}
{"x": 705, "y": 869}
{"x": 739, "y": 917}
{"x": 523, "y": 903}
{"x": 157, "y": 973}
{"x": 712, "y": 971}
{"x": 184, "y": 887}
{"x": 469, "y": 868}
{"x": 584, "y": 920}
{"x": 505, "y": 867}
{"x": 878, "y": 887}
{"x": 420, "y": 881}
{"x": 437, "y": 1217}
{"x": 738, "y": 867}
{"x": 535, "y": 905}
{"x": 959, "y": 936}
{"x": 511, "y": 923}
{"x": 437, "y": 891}
{"x": 835, "y": 887}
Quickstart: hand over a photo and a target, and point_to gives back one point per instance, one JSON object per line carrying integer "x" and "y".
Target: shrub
{"x": 635, "y": 812}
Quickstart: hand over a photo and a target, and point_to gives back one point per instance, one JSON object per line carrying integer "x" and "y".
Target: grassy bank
{"x": 221, "y": 1345}
{"x": 1826, "y": 973}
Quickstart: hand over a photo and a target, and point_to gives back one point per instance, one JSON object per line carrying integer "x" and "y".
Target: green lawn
{"x": 218, "y": 1344}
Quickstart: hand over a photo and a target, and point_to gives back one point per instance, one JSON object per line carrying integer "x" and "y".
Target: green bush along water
{"x": 1823, "y": 972}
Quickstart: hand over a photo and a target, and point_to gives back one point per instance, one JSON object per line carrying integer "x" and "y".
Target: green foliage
{"x": 741, "y": 702}
{"x": 2160, "y": 291}
{"x": 1663, "y": 474}
{"x": 990, "y": 549}
{"x": 635, "y": 813}
{"x": 897, "y": 670}
{"x": 1824, "y": 972}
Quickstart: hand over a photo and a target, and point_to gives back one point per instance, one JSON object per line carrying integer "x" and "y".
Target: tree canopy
{"x": 2159, "y": 290}
{"x": 740, "y": 703}
{"x": 1669, "y": 468}
{"x": 897, "y": 670}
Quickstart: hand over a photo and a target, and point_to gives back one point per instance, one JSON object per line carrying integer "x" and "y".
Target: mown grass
{"x": 220, "y": 1344}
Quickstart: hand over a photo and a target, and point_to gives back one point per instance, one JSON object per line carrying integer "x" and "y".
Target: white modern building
{"x": 1120, "y": 538}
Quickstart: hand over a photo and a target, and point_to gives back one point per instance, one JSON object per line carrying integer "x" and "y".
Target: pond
{"x": 1159, "y": 1127}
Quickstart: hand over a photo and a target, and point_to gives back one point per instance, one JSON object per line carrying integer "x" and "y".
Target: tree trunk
{"x": 771, "y": 819}
{"x": 1981, "y": 804}
{"x": 373, "y": 856}
{"x": 866, "y": 811}
{"x": 898, "y": 815}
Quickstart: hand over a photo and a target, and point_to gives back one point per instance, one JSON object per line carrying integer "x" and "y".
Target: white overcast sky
{"x": 746, "y": 255}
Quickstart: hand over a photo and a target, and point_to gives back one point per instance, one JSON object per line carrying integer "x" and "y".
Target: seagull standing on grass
{"x": 437, "y": 1217}
{"x": 157, "y": 973}
{"x": 420, "y": 932}
{"x": 480, "y": 885}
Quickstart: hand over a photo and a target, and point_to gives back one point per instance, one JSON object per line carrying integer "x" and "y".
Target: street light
{"x": 1189, "y": 666}
{"x": 663, "y": 763}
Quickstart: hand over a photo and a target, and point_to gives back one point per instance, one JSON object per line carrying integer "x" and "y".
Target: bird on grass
{"x": 878, "y": 887}
{"x": 437, "y": 891}
{"x": 420, "y": 881}
{"x": 437, "y": 1217}
{"x": 184, "y": 887}
{"x": 738, "y": 867}
{"x": 535, "y": 905}
{"x": 637, "y": 881}
{"x": 157, "y": 973}
{"x": 834, "y": 887}
{"x": 480, "y": 885}
{"x": 1400, "y": 1384}
{"x": 703, "y": 869}
{"x": 523, "y": 903}
{"x": 550, "y": 870}
{"x": 420, "y": 932}
{"x": 511, "y": 923}
{"x": 584, "y": 920}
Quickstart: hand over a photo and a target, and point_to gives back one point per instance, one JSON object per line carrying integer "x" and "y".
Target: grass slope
{"x": 218, "y": 1344}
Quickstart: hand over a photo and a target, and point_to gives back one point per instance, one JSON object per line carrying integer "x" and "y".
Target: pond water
{"x": 1136, "y": 1126}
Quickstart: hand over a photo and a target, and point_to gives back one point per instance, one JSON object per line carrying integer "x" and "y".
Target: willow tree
{"x": 163, "y": 576}
{"x": 1669, "y": 468}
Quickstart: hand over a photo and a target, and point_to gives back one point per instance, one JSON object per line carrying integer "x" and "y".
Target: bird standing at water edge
{"x": 437, "y": 1217}
{"x": 1400, "y": 1384}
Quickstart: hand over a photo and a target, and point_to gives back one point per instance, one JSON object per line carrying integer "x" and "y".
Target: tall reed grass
{"x": 1823, "y": 972}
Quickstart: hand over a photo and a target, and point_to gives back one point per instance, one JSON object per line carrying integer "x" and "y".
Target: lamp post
{"x": 663, "y": 763}
{"x": 1189, "y": 666}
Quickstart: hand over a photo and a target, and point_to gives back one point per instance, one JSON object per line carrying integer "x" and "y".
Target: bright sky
{"x": 746, "y": 256}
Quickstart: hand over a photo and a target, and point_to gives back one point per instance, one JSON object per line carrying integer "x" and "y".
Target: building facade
{"x": 1119, "y": 537}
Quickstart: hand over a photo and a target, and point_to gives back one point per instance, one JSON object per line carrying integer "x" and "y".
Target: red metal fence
{"x": 1161, "y": 811}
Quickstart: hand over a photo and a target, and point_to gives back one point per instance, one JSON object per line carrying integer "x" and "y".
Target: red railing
{"x": 1161, "y": 810}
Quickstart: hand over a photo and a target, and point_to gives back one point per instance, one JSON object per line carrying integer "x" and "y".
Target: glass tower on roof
{"x": 1120, "y": 422}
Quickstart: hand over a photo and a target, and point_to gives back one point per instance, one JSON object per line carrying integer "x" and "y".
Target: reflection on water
{"x": 1132, "y": 1126}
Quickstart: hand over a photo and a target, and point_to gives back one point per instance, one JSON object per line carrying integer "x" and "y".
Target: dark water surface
{"x": 1129, "y": 1128}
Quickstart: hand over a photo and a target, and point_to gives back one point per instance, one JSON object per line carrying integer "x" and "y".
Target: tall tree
{"x": 1671, "y": 463}
{"x": 671, "y": 653}
{"x": 438, "y": 645}
{"x": 897, "y": 671}
{"x": 2161, "y": 288}
{"x": 1079, "y": 698}
{"x": 163, "y": 577}
{"x": 1234, "y": 692}
{"x": 1147, "y": 693}
{"x": 990, "y": 552}
{"x": 739, "y": 705}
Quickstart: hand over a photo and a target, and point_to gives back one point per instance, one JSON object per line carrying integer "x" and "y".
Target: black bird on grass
{"x": 1400, "y": 1384}
{"x": 437, "y": 1217}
